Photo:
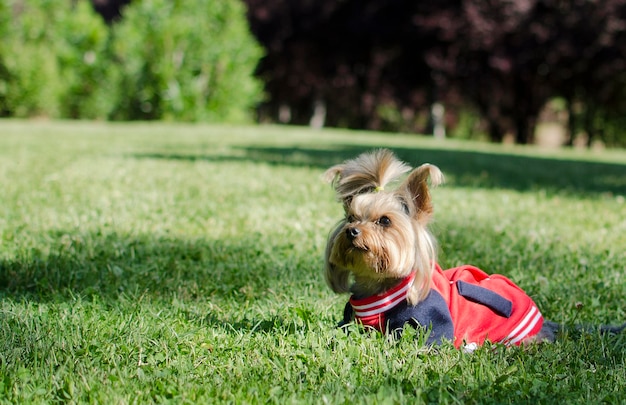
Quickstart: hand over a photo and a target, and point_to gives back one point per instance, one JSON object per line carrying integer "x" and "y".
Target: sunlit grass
{"x": 162, "y": 262}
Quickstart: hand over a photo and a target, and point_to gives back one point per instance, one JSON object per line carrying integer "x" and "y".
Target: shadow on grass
{"x": 111, "y": 264}
{"x": 242, "y": 271}
{"x": 462, "y": 168}
{"x": 115, "y": 268}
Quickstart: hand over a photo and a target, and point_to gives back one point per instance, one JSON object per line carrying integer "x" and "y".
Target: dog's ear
{"x": 416, "y": 185}
{"x": 338, "y": 278}
{"x": 333, "y": 175}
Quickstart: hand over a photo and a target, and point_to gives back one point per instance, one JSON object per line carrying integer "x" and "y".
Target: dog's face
{"x": 383, "y": 236}
{"x": 376, "y": 239}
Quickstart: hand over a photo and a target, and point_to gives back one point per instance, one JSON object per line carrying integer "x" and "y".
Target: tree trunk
{"x": 525, "y": 129}
{"x": 571, "y": 122}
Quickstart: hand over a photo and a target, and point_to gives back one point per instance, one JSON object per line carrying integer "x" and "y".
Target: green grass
{"x": 180, "y": 263}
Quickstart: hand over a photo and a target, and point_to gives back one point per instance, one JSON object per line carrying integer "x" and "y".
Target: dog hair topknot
{"x": 366, "y": 173}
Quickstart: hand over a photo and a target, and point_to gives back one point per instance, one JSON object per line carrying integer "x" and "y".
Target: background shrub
{"x": 84, "y": 58}
{"x": 31, "y": 80}
{"x": 175, "y": 65}
{"x": 4, "y": 73}
{"x": 174, "y": 60}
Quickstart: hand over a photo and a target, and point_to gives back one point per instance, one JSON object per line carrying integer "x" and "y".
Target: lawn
{"x": 183, "y": 263}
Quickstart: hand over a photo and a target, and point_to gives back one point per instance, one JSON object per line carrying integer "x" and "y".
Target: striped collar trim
{"x": 378, "y": 304}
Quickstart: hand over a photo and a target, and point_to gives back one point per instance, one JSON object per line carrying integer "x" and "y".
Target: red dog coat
{"x": 465, "y": 305}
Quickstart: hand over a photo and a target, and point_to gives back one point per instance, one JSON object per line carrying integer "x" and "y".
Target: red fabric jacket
{"x": 465, "y": 305}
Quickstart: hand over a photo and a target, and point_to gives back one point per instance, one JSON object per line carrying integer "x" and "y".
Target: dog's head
{"x": 383, "y": 237}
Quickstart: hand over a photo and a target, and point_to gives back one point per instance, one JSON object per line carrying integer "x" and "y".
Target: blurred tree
{"x": 483, "y": 51}
{"x": 510, "y": 58}
{"x": 506, "y": 58}
{"x": 587, "y": 62}
{"x": 382, "y": 65}
{"x": 349, "y": 56}
{"x": 187, "y": 60}
{"x": 5, "y": 74}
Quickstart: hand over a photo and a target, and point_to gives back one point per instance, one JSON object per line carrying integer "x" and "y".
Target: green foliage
{"x": 190, "y": 61}
{"x": 140, "y": 267}
{"x": 189, "y": 68}
{"x": 84, "y": 60}
{"x": 4, "y": 73}
{"x": 31, "y": 81}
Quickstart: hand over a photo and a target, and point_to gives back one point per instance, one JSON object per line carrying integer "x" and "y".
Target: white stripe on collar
{"x": 377, "y": 304}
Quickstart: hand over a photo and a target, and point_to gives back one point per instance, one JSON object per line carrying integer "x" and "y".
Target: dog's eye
{"x": 384, "y": 222}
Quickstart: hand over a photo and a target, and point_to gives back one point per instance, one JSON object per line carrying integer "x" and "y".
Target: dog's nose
{"x": 352, "y": 233}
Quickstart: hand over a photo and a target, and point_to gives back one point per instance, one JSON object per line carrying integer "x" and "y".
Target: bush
{"x": 31, "y": 82}
{"x": 176, "y": 60}
{"x": 4, "y": 73}
{"x": 189, "y": 60}
{"x": 84, "y": 60}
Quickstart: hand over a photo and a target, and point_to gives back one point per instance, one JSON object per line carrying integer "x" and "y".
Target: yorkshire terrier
{"x": 384, "y": 255}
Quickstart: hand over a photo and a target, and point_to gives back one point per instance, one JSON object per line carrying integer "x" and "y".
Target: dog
{"x": 383, "y": 253}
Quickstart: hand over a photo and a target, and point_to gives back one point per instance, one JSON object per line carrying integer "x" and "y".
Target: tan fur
{"x": 417, "y": 184}
{"x": 377, "y": 256}
{"x": 366, "y": 173}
